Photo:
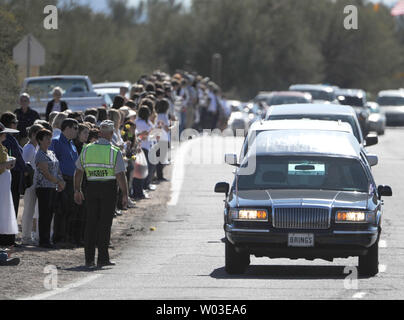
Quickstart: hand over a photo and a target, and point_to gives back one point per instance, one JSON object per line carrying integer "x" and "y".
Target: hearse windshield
{"x": 325, "y": 173}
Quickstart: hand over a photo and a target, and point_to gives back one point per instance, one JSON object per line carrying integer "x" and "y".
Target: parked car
{"x": 356, "y": 98}
{"x": 108, "y": 100}
{"x": 309, "y": 195}
{"x": 111, "y": 92}
{"x": 78, "y": 92}
{"x": 113, "y": 88}
{"x": 377, "y": 118}
{"x": 284, "y": 97}
{"x": 239, "y": 119}
{"x": 322, "y": 112}
{"x": 256, "y": 110}
{"x": 320, "y": 93}
{"x": 392, "y": 104}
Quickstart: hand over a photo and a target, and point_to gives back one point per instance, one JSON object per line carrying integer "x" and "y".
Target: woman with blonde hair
{"x": 52, "y": 116}
{"x": 30, "y": 213}
{"x": 8, "y": 220}
{"x": 57, "y": 124}
{"x": 56, "y": 104}
{"x": 115, "y": 116}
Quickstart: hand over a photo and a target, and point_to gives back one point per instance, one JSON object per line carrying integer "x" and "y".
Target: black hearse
{"x": 302, "y": 195}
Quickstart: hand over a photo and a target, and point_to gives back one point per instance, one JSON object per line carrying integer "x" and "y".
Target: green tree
{"x": 9, "y": 34}
{"x": 264, "y": 44}
{"x": 365, "y": 58}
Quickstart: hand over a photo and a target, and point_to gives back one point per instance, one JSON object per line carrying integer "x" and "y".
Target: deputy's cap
{"x": 107, "y": 125}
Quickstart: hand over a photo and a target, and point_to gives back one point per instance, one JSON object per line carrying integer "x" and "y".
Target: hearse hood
{"x": 299, "y": 198}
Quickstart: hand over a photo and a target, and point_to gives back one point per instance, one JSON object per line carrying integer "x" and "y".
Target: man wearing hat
{"x": 104, "y": 167}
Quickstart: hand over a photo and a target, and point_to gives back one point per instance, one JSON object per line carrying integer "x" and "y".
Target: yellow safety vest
{"x": 99, "y": 161}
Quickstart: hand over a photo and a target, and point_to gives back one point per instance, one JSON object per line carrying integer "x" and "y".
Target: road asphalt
{"x": 184, "y": 257}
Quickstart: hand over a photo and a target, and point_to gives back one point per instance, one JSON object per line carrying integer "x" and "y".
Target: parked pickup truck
{"x": 78, "y": 92}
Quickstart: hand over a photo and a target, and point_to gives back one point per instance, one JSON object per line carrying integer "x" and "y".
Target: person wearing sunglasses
{"x": 67, "y": 154}
{"x": 26, "y": 118}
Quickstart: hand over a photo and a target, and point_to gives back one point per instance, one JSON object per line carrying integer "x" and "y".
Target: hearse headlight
{"x": 342, "y": 216}
{"x": 249, "y": 215}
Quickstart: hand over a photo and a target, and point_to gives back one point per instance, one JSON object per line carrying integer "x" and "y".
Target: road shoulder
{"x": 30, "y": 277}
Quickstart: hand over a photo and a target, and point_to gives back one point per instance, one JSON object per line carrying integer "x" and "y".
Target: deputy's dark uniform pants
{"x": 100, "y": 204}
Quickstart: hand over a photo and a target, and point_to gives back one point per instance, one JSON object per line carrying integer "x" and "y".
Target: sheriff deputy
{"x": 104, "y": 166}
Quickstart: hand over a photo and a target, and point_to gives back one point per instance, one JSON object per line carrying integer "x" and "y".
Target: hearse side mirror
{"x": 231, "y": 159}
{"x": 372, "y": 159}
{"x": 371, "y": 140}
{"x": 222, "y": 187}
{"x": 384, "y": 191}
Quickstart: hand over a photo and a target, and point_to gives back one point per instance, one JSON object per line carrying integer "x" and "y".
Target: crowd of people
{"x": 40, "y": 157}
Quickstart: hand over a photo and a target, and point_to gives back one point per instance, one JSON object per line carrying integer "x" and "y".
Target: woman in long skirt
{"x": 8, "y": 221}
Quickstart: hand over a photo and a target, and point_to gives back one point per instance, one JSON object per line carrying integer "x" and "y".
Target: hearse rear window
{"x": 306, "y": 168}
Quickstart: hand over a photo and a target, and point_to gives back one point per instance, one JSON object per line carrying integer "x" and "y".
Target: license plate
{"x": 301, "y": 240}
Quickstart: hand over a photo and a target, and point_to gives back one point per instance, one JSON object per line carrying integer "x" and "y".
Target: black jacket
{"x": 25, "y": 120}
{"x": 49, "y": 108}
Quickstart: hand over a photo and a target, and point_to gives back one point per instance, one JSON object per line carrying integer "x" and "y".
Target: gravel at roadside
{"x": 27, "y": 279}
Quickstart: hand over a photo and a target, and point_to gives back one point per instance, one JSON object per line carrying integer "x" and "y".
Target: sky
{"x": 101, "y": 5}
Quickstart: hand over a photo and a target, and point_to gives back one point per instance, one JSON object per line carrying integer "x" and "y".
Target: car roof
{"x": 319, "y": 87}
{"x": 392, "y": 93}
{"x": 234, "y": 102}
{"x": 264, "y": 93}
{"x": 290, "y": 93}
{"x": 106, "y": 90}
{"x": 311, "y": 108}
{"x": 305, "y": 142}
{"x": 351, "y": 92}
{"x": 112, "y": 84}
{"x": 59, "y": 77}
{"x": 301, "y": 124}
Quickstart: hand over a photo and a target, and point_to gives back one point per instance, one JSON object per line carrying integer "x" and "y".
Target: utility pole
{"x": 217, "y": 62}
{"x": 29, "y": 55}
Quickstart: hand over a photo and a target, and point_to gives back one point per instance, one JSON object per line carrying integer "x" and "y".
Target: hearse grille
{"x": 301, "y": 218}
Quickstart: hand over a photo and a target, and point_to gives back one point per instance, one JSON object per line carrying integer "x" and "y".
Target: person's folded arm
{"x": 6, "y": 165}
{"x": 43, "y": 168}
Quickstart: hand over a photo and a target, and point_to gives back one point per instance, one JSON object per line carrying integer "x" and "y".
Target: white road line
{"x": 49, "y": 294}
{"x": 177, "y": 177}
{"x": 176, "y": 185}
{"x": 359, "y": 295}
{"x": 382, "y": 244}
{"x": 382, "y": 268}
